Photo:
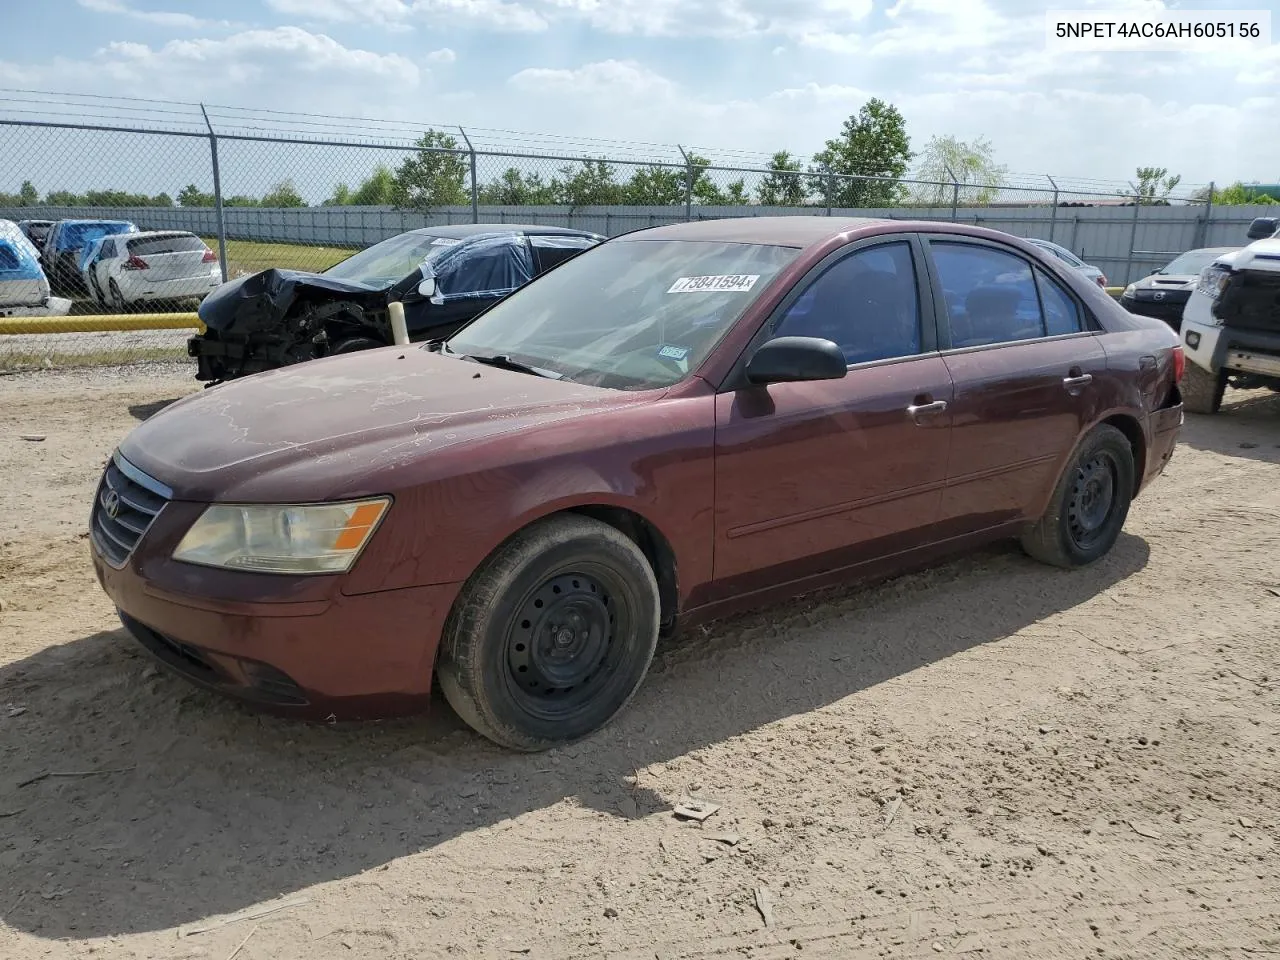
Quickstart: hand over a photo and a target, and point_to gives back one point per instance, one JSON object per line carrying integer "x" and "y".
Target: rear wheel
{"x": 1090, "y": 502}
{"x": 1202, "y": 391}
{"x": 552, "y": 636}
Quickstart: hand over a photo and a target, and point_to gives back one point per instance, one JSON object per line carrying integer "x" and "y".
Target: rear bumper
{"x": 138, "y": 288}
{"x": 346, "y": 658}
{"x": 1166, "y": 423}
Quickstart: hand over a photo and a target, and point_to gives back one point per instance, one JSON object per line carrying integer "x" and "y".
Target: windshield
{"x": 391, "y": 260}
{"x": 630, "y": 315}
{"x": 1193, "y": 261}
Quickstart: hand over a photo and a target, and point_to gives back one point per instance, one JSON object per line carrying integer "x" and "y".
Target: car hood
{"x": 261, "y": 299}
{"x": 1164, "y": 281}
{"x": 1259, "y": 255}
{"x": 344, "y": 426}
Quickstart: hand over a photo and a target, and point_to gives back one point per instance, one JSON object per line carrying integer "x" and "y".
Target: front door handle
{"x": 918, "y": 410}
{"x": 1083, "y": 380}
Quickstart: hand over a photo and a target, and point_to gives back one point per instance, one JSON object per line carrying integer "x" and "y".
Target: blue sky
{"x": 748, "y": 75}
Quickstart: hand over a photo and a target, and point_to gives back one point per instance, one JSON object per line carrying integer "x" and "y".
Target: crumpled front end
{"x": 276, "y": 318}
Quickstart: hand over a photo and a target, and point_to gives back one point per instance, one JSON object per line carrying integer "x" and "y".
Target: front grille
{"x": 126, "y": 503}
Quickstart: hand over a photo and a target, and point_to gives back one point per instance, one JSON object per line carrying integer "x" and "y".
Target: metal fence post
{"x": 688, "y": 184}
{"x": 1208, "y": 215}
{"x": 217, "y": 195}
{"x": 1053, "y": 215}
{"x": 475, "y": 187}
{"x": 830, "y": 181}
{"x": 1133, "y": 234}
{"x": 955, "y": 193}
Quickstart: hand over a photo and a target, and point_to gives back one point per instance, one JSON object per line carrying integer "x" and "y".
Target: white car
{"x": 1069, "y": 258}
{"x": 129, "y": 268}
{"x": 1231, "y": 323}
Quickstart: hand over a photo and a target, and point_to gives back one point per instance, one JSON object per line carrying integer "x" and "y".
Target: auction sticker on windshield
{"x": 728, "y": 283}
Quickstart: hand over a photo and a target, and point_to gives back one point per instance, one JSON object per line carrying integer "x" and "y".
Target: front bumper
{"x": 1168, "y": 310}
{"x": 342, "y": 658}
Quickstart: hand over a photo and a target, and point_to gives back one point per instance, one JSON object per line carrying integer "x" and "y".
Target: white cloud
{"x": 403, "y": 14}
{"x": 719, "y": 18}
{"x": 160, "y": 18}
{"x": 443, "y": 55}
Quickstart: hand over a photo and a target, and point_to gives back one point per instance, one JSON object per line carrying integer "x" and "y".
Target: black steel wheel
{"x": 552, "y": 635}
{"x": 1089, "y": 504}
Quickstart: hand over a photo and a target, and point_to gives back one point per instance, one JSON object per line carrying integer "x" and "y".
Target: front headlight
{"x": 282, "y": 538}
{"x": 1213, "y": 279}
{"x": 1128, "y": 291}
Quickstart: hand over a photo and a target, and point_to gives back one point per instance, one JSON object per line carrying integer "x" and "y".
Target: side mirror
{"x": 1263, "y": 227}
{"x": 427, "y": 288}
{"x": 791, "y": 359}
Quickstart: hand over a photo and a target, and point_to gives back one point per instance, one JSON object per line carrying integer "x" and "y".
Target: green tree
{"x": 435, "y": 176}
{"x": 1236, "y": 195}
{"x": 592, "y": 184}
{"x": 655, "y": 186}
{"x": 63, "y": 198}
{"x": 872, "y": 143}
{"x": 379, "y": 190}
{"x": 193, "y": 196}
{"x": 341, "y": 196}
{"x": 239, "y": 200}
{"x": 283, "y": 194}
{"x": 1155, "y": 184}
{"x": 784, "y": 185}
{"x": 972, "y": 165}
{"x": 517, "y": 189}
{"x": 27, "y": 195}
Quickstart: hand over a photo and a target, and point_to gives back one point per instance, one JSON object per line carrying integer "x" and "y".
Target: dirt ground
{"x": 988, "y": 759}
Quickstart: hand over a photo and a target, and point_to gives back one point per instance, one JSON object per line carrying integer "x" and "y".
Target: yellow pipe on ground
{"x": 105, "y": 323}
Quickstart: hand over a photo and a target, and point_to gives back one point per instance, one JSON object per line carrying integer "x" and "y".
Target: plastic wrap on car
{"x": 11, "y": 231}
{"x": 490, "y": 265}
{"x": 22, "y": 281}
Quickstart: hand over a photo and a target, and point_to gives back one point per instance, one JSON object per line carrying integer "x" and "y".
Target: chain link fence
{"x": 139, "y": 222}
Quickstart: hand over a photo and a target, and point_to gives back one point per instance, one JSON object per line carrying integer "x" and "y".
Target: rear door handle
{"x": 918, "y": 410}
{"x": 1083, "y": 380}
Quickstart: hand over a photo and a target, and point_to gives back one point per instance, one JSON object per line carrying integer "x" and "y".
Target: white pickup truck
{"x": 1231, "y": 323}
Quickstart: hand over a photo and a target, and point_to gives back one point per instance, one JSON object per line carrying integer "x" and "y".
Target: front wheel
{"x": 552, "y": 636}
{"x": 1090, "y": 502}
{"x": 1202, "y": 391}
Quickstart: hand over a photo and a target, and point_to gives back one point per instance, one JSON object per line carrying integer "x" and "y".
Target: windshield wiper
{"x": 506, "y": 363}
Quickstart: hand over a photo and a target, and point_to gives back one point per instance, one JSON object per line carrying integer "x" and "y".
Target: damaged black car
{"x": 280, "y": 317}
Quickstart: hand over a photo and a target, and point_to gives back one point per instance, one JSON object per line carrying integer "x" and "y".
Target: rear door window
{"x": 990, "y": 296}
{"x": 549, "y": 251}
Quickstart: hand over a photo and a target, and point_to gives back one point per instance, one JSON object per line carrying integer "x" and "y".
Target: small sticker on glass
{"x": 445, "y": 242}
{"x": 727, "y": 283}
{"x": 673, "y": 352}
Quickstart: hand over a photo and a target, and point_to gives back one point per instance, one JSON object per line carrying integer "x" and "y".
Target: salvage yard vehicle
{"x": 443, "y": 276}
{"x": 24, "y": 291}
{"x": 64, "y": 246}
{"x": 37, "y": 231}
{"x": 1231, "y": 325}
{"x": 1066, "y": 256}
{"x": 150, "y": 266}
{"x": 1163, "y": 293}
{"x": 681, "y": 422}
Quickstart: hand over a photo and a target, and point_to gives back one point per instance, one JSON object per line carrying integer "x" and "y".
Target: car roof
{"x": 74, "y": 223}
{"x": 793, "y": 231}
{"x": 460, "y": 231}
{"x": 144, "y": 234}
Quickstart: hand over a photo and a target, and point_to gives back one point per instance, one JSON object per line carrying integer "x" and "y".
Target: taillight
{"x": 135, "y": 263}
{"x": 209, "y": 256}
{"x": 1179, "y": 364}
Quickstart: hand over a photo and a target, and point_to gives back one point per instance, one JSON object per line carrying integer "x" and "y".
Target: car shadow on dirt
{"x": 144, "y": 411}
{"x": 164, "y": 805}
{"x": 1247, "y": 425}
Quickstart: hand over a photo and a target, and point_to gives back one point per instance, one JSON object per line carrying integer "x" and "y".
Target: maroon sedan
{"x": 679, "y": 422}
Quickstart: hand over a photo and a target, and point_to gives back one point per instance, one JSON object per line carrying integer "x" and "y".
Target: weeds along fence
{"x": 261, "y": 198}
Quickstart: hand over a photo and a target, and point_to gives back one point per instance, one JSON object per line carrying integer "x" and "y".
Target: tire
{"x": 1201, "y": 390}
{"x": 117, "y": 298}
{"x": 1090, "y": 502}
{"x": 552, "y": 635}
{"x": 352, "y": 344}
